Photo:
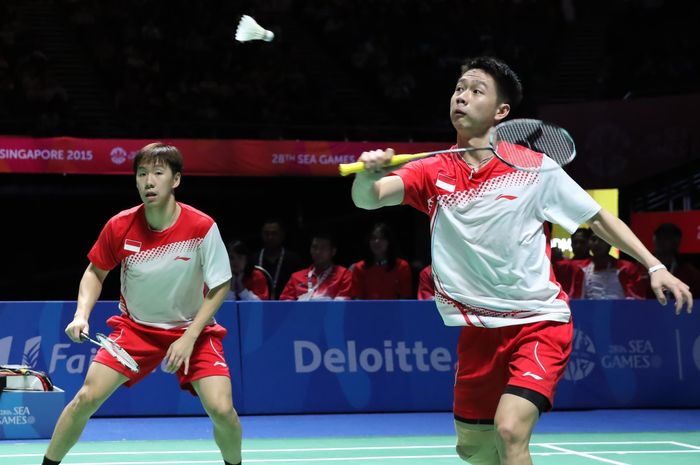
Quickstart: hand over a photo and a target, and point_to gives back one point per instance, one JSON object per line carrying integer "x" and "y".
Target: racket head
{"x": 521, "y": 144}
{"x": 116, "y": 351}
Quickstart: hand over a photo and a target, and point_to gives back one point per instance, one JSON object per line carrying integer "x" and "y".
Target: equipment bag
{"x": 23, "y": 378}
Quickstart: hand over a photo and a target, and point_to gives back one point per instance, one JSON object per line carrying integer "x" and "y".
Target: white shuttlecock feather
{"x": 249, "y": 29}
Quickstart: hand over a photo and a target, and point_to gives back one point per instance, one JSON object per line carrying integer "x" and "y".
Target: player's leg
{"x": 481, "y": 377}
{"x": 216, "y": 397}
{"x": 539, "y": 355}
{"x": 515, "y": 419}
{"x": 101, "y": 381}
{"x": 476, "y": 444}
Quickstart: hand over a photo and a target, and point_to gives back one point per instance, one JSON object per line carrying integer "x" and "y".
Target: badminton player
{"x": 170, "y": 254}
{"x": 491, "y": 266}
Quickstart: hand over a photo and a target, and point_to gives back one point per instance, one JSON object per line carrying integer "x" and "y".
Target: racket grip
{"x": 358, "y": 167}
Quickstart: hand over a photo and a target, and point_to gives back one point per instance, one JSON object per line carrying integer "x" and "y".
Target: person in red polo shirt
{"x": 381, "y": 275}
{"x": 323, "y": 280}
{"x": 249, "y": 282}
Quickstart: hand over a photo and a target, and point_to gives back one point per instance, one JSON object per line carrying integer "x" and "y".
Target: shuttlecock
{"x": 249, "y": 29}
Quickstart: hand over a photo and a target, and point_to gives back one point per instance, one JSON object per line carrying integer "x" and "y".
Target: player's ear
{"x": 502, "y": 110}
{"x": 176, "y": 180}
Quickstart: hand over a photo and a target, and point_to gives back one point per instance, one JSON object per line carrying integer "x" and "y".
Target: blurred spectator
{"x": 381, "y": 275}
{"x": 426, "y": 284}
{"x": 323, "y": 280}
{"x": 606, "y": 277}
{"x": 568, "y": 273}
{"x": 275, "y": 258}
{"x": 248, "y": 282}
{"x": 667, "y": 242}
{"x": 580, "y": 244}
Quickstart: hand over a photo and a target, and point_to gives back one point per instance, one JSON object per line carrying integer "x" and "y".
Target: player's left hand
{"x": 662, "y": 281}
{"x": 179, "y": 353}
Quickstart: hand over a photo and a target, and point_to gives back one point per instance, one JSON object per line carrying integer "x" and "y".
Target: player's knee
{"x": 483, "y": 454}
{"x": 223, "y": 412}
{"x": 86, "y": 402}
{"x": 510, "y": 434}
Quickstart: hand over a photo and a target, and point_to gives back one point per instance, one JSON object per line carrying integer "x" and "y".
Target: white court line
{"x": 678, "y": 350}
{"x": 324, "y": 459}
{"x": 682, "y": 444}
{"x": 583, "y": 454}
{"x": 245, "y": 451}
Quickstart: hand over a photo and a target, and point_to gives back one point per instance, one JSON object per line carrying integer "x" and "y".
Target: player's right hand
{"x": 376, "y": 160}
{"x": 75, "y": 327}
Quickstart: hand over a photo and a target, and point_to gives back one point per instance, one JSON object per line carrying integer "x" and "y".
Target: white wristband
{"x": 657, "y": 268}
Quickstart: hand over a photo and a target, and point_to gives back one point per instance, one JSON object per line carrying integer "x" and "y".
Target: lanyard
{"x": 312, "y": 289}
{"x": 275, "y": 278}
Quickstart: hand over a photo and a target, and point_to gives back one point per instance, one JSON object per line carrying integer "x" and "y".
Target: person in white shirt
{"x": 491, "y": 266}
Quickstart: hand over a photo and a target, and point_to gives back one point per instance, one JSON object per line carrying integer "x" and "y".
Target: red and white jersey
{"x": 163, "y": 273}
{"x": 490, "y": 253}
{"x": 335, "y": 283}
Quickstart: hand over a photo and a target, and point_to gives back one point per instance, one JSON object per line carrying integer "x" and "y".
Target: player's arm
{"x": 616, "y": 233}
{"x": 371, "y": 189}
{"x": 180, "y": 351}
{"x": 88, "y": 293}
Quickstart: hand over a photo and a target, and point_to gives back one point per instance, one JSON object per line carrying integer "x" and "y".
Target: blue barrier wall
{"x": 293, "y": 357}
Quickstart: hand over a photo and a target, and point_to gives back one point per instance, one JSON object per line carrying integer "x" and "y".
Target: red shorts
{"x": 148, "y": 345}
{"x": 531, "y": 356}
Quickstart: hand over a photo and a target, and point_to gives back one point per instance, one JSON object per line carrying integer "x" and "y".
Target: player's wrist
{"x": 655, "y": 268}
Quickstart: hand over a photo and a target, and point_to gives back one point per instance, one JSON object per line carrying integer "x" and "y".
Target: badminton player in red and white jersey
{"x": 491, "y": 268}
{"x": 175, "y": 274}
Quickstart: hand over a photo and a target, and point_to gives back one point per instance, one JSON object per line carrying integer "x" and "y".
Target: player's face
{"x": 272, "y": 235}
{"x": 475, "y": 106}
{"x": 322, "y": 252}
{"x": 237, "y": 262}
{"x": 156, "y": 183}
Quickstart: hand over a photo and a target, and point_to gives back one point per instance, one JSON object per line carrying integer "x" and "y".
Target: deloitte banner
{"x": 373, "y": 356}
{"x": 31, "y": 333}
{"x": 353, "y": 356}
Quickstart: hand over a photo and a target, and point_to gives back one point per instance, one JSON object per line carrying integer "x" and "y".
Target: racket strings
{"x": 536, "y": 136}
{"x": 118, "y": 352}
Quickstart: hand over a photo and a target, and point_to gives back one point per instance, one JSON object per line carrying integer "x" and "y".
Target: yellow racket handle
{"x": 358, "y": 167}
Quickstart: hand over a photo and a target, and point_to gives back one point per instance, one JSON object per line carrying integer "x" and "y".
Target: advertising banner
{"x": 203, "y": 157}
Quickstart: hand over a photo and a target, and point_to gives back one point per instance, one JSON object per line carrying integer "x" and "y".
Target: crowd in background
{"x": 277, "y": 273}
{"x": 173, "y": 67}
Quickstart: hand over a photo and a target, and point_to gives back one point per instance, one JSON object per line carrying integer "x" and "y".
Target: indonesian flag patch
{"x": 446, "y": 183}
{"x": 132, "y": 246}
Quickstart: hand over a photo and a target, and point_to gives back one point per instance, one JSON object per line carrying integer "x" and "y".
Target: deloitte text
{"x": 394, "y": 356}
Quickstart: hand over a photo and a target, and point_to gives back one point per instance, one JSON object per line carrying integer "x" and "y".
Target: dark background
{"x": 337, "y": 70}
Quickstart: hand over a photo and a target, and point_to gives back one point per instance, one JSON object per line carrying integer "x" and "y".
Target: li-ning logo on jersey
{"x": 184, "y": 259}
{"x": 507, "y": 197}
{"x": 461, "y": 199}
{"x": 132, "y": 246}
{"x": 529, "y": 373}
{"x": 216, "y": 364}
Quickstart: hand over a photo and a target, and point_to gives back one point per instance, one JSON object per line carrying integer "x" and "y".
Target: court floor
{"x": 280, "y": 440}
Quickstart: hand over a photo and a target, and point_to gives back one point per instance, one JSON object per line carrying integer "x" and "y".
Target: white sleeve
{"x": 215, "y": 264}
{"x": 563, "y": 201}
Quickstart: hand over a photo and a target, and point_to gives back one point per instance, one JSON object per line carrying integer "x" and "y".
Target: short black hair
{"x": 669, "y": 230}
{"x": 587, "y": 233}
{"x": 509, "y": 86}
{"x": 325, "y": 235}
{"x": 159, "y": 152}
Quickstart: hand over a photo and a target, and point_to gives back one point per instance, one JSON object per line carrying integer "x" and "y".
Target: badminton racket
{"x": 519, "y": 143}
{"x": 113, "y": 349}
